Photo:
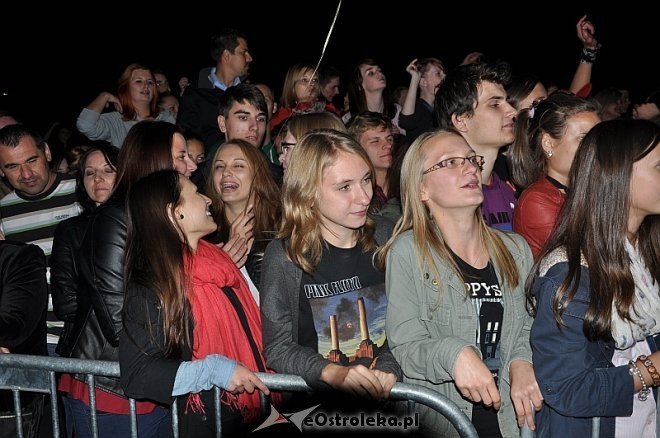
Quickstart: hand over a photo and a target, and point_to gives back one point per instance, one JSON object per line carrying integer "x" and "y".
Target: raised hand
{"x": 243, "y": 224}
{"x": 471, "y": 58}
{"x": 586, "y": 32}
{"x": 114, "y": 100}
{"x": 238, "y": 248}
{"x": 184, "y": 83}
{"x": 413, "y": 70}
{"x": 104, "y": 100}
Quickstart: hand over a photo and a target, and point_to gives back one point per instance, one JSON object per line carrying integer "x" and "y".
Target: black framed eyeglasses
{"x": 286, "y": 146}
{"x": 456, "y": 162}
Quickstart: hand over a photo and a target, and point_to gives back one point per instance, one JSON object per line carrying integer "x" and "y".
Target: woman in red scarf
{"x": 190, "y": 322}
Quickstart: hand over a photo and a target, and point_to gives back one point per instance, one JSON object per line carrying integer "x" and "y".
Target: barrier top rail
{"x": 36, "y": 368}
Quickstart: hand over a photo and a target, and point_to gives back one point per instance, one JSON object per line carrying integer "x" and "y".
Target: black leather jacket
{"x": 64, "y": 276}
{"x": 23, "y": 303}
{"x": 100, "y": 296}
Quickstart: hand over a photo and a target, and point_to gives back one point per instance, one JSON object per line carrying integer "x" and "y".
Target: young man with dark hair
{"x": 199, "y": 106}
{"x": 472, "y": 101}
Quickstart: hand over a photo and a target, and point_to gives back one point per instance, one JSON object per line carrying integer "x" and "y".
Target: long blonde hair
{"x": 301, "y": 220}
{"x": 427, "y": 237}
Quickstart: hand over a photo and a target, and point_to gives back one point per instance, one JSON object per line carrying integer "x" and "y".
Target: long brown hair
{"x": 594, "y": 224}
{"x": 155, "y": 255}
{"x": 427, "y": 237}
{"x": 264, "y": 194}
{"x": 357, "y": 99}
{"x": 301, "y": 220}
{"x": 147, "y": 148}
{"x": 549, "y": 117}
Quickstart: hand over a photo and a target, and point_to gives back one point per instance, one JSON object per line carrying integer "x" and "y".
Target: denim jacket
{"x": 579, "y": 383}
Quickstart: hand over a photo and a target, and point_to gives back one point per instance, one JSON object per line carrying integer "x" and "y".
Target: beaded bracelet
{"x": 588, "y": 54}
{"x": 650, "y": 367}
{"x": 633, "y": 369}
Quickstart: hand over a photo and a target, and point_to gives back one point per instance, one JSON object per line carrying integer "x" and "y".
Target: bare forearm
{"x": 100, "y": 102}
{"x": 581, "y": 77}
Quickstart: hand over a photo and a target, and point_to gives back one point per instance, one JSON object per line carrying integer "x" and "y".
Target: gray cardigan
{"x": 426, "y": 338}
{"x": 280, "y": 292}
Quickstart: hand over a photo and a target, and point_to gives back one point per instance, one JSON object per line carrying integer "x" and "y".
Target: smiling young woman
{"x": 190, "y": 322}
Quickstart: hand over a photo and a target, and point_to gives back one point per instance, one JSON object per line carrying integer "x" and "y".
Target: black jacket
{"x": 199, "y": 113}
{"x": 147, "y": 374}
{"x": 145, "y": 371}
{"x": 23, "y": 303}
{"x": 419, "y": 122}
{"x": 64, "y": 276}
{"x": 100, "y": 297}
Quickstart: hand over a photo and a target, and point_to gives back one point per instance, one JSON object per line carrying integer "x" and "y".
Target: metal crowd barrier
{"x": 38, "y": 374}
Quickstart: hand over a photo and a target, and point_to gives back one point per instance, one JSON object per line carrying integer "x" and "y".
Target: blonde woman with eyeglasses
{"x": 456, "y": 318}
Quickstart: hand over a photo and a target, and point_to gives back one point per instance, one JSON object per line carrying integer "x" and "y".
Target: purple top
{"x": 499, "y": 203}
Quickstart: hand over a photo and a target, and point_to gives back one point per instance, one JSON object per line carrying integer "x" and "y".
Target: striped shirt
{"x": 33, "y": 219}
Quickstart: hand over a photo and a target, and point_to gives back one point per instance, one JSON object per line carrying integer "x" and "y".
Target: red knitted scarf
{"x": 218, "y": 329}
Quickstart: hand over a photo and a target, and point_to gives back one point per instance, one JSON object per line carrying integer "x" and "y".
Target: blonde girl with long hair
{"x": 456, "y": 317}
{"x": 319, "y": 287}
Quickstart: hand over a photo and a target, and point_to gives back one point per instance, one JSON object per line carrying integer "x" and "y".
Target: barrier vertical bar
{"x": 19, "y": 413}
{"x": 133, "y": 412}
{"x": 175, "y": 420}
{"x": 218, "y": 417}
{"x": 54, "y": 408}
{"x": 92, "y": 405}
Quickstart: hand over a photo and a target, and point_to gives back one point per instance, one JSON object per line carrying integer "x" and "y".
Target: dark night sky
{"x": 63, "y": 64}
